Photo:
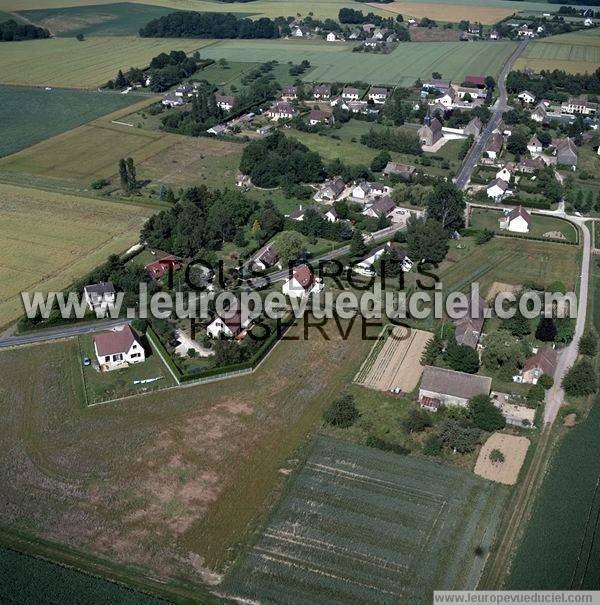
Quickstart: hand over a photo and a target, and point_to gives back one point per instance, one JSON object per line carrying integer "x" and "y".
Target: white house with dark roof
{"x": 118, "y": 348}
{"x": 350, "y": 94}
{"x": 322, "y": 91}
{"x": 517, "y": 220}
{"x": 281, "y": 111}
{"x": 378, "y": 95}
{"x": 526, "y": 97}
{"x": 534, "y": 145}
{"x": 496, "y": 189}
{"x": 384, "y": 206}
{"x": 100, "y": 297}
{"x": 230, "y": 324}
{"x": 365, "y": 265}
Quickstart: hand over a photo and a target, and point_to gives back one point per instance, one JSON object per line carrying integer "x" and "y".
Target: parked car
{"x": 87, "y": 361}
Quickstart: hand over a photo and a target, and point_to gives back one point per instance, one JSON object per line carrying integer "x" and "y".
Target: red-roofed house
{"x": 229, "y": 325}
{"x": 118, "y": 348}
{"x": 543, "y": 362}
{"x": 159, "y": 268}
{"x": 478, "y": 81}
{"x": 302, "y": 283}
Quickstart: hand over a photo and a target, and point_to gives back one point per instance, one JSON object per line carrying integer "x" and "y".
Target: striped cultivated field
{"x": 578, "y": 52}
{"x": 397, "y": 362}
{"x": 363, "y": 526}
{"x": 67, "y": 63}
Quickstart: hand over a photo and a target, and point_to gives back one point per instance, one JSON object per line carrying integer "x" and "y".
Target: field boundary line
{"x": 379, "y": 343}
{"x": 81, "y": 372}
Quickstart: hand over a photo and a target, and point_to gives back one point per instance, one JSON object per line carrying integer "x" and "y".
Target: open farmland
{"x": 396, "y": 363}
{"x": 67, "y": 63}
{"x": 51, "y": 239}
{"x": 162, "y": 486}
{"x": 577, "y": 52}
{"x": 30, "y": 115}
{"x": 321, "y": 9}
{"x": 161, "y": 158}
{"x": 337, "y": 62}
{"x": 362, "y": 526}
{"x": 119, "y": 19}
{"x": 442, "y": 12}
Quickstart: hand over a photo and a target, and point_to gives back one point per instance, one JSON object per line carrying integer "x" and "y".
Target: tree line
{"x": 551, "y": 83}
{"x": 209, "y": 25}
{"x": 11, "y": 31}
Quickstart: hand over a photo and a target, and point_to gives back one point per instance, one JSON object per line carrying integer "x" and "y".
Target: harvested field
{"x": 445, "y": 12}
{"x": 164, "y": 485}
{"x": 434, "y": 34}
{"x": 363, "y": 526}
{"x": 514, "y": 450}
{"x": 498, "y": 287}
{"x": 51, "y": 239}
{"x": 397, "y": 362}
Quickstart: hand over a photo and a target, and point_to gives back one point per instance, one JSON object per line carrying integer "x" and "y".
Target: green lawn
{"x": 30, "y": 115}
{"x": 489, "y": 219}
{"x": 337, "y": 63}
{"x": 104, "y": 386}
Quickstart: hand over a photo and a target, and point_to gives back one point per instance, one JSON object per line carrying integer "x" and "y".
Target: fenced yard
{"x": 363, "y": 526}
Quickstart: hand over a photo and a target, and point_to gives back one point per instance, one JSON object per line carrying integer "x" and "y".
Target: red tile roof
{"x": 118, "y": 340}
{"x": 304, "y": 276}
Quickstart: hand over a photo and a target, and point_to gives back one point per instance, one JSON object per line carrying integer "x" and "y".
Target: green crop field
{"x": 337, "y": 63}
{"x": 119, "y": 19}
{"x": 52, "y": 239}
{"x": 65, "y": 62}
{"x": 25, "y": 579}
{"x": 541, "y": 225}
{"x": 577, "y": 52}
{"x": 30, "y": 115}
{"x": 363, "y": 526}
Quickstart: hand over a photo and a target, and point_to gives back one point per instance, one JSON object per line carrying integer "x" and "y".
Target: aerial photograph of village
{"x": 299, "y": 302}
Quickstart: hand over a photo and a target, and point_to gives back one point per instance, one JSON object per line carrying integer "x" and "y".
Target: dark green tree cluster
{"x": 461, "y": 357}
{"x": 11, "y": 31}
{"x": 343, "y": 412}
{"x": 209, "y": 25}
{"x": 426, "y": 240}
{"x": 485, "y": 415}
{"x": 392, "y": 140}
{"x": 277, "y": 160}
{"x": 315, "y": 225}
{"x": 203, "y": 220}
{"x": 581, "y": 379}
{"x": 127, "y": 175}
{"x": 552, "y": 84}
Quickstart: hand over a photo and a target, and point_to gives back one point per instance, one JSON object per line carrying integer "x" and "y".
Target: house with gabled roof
{"x": 302, "y": 283}
{"x": 118, "y": 348}
{"x": 451, "y": 388}
{"x": 378, "y": 95}
{"x": 494, "y": 146}
{"x": 161, "y": 267}
{"x": 534, "y": 145}
{"x": 384, "y": 206}
{"x": 225, "y": 102}
{"x": 542, "y": 362}
{"x": 320, "y": 116}
{"x": 322, "y": 91}
{"x": 566, "y": 152}
{"x": 350, "y": 93}
{"x": 526, "y": 97}
{"x": 266, "y": 258}
{"x": 281, "y": 111}
{"x": 473, "y": 128}
{"x": 497, "y": 189}
{"x": 467, "y": 329}
{"x": 289, "y": 93}
{"x": 431, "y": 132}
{"x": 331, "y": 190}
{"x": 230, "y": 324}
{"x": 517, "y": 220}
{"x": 100, "y": 297}
{"x": 404, "y": 171}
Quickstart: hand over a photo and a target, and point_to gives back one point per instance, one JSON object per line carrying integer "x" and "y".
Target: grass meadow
{"x": 30, "y": 115}
{"x": 337, "y": 63}
{"x": 51, "y": 239}
{"x": 577, "y": 52}
{"x": 362, "y": 526}
{"x": 67, "y": 63}
{"x": 164, "y": 487}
